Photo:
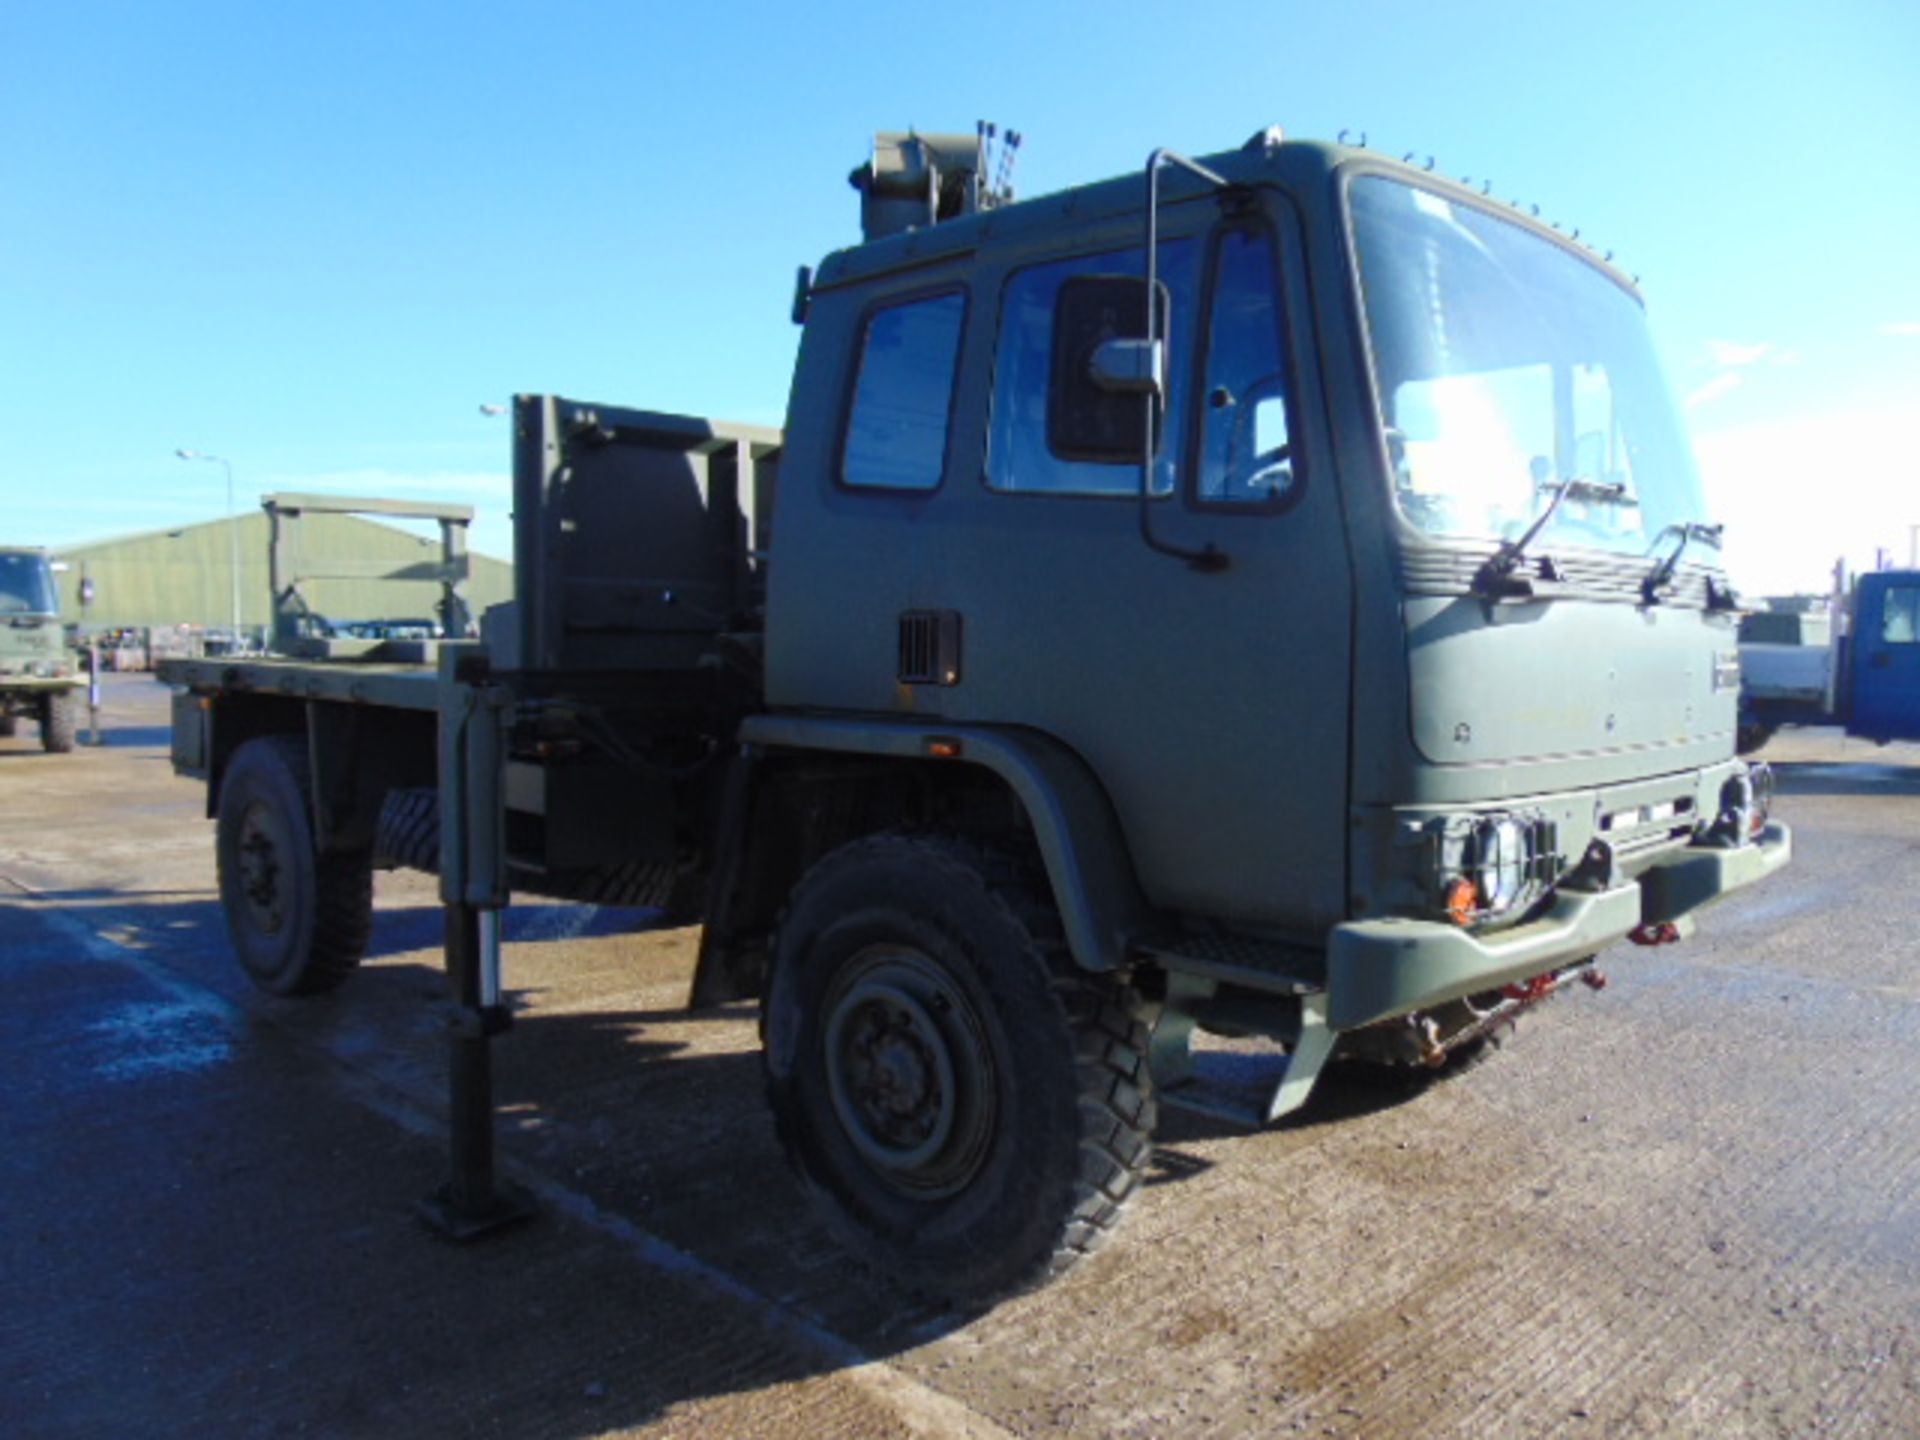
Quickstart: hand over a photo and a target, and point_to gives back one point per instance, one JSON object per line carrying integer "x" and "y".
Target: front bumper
{"x": 1377, "y": 969}
{"x": 37, "y": 685}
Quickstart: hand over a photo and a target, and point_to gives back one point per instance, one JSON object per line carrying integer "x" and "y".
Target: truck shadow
{"x": 667, "y": 1206}
{"x": 400, "y": 930}
{"x": 134, "y": 737}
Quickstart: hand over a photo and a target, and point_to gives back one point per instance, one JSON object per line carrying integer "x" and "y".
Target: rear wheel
{"x": 408, "y": 837}
{"x": 299, "y": 920}
{"x": 59, "y": 721}
{"x": 970, "y": 1111}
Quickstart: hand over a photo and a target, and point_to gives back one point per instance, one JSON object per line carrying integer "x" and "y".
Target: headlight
{"x": 1492, "y": 865}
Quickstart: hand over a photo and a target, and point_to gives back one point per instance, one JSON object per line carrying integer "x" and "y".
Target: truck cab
{"x": 1883, "y": 680}
{"x": 38, "y": 679}
{"x": 1312, "y": 547}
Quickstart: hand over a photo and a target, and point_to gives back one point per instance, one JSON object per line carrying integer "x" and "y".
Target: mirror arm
{"x": 1209, "y": 559}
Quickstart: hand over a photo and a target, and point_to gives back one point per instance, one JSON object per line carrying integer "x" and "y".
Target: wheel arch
{"x": 355, "y": 753}
{"x": 1072, "y": 822}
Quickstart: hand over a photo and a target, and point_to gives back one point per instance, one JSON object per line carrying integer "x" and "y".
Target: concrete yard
{"x": 1687, "y": 1205}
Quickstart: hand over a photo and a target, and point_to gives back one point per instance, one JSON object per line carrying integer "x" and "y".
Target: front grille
{"x": 1450, "y": 571}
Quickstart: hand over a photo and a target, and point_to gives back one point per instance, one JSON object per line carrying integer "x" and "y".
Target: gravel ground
{"x": 1687, "y": 1205}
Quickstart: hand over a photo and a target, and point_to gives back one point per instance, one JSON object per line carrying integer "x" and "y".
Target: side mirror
{"x": 1130, "y": 367}
{"x": 1106, "y": 379}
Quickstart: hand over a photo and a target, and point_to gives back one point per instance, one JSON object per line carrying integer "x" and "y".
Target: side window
{"x": 1245, "y": 452}
{"x": 1900, "y": 615}
{"x": 1020, "y": 457}
{"x": 897, "y": 430}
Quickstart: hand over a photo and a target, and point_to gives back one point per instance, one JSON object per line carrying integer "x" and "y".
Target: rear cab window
{"x": 896, "y": 436}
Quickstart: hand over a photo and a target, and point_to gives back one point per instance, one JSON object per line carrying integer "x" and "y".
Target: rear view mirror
{"x": 1129, "y": 367}
{"x": 1106, "y": 380}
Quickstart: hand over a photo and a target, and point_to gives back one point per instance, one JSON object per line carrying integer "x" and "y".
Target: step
{"x": 1244, "y": 1089}
{"x": 1269, "y": 965}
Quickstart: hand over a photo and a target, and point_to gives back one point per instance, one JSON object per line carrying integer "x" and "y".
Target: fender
{"x": 1087, "y": 862}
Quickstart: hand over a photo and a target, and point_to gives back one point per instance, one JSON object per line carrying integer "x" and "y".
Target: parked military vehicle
{"x": 1850, "y": 659}
{"x": 977, "y": 716}
{"x": 39, "y": 679}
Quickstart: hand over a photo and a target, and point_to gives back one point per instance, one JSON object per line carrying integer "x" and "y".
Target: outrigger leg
{"x": 474, "y": 1201}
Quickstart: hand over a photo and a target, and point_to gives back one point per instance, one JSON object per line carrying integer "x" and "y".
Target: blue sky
{"x": 315, "y": 238}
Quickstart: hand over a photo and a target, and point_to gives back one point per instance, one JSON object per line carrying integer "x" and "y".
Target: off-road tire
{"x": 407, "y": 836}
{"x": 59, "y": 721}
{"x": 1047, "y": 1104}
{"x": 299, "y": 921}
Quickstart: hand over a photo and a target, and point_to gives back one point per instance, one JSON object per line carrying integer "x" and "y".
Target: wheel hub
{"x": 909, "y": 1072}
{"x": 260, "y": 869}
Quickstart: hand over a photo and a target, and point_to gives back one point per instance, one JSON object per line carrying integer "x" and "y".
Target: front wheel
{"x": 299, "y": 920}
{"x": 970, "y": 1111}
{"x": 59, "y": 721}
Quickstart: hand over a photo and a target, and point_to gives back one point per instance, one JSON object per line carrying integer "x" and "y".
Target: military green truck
{"x": 1190, "y": 627}
{"x": 39, "y": 679}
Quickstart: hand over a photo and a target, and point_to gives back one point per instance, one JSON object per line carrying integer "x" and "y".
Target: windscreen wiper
{"x": 1661, "y": 575}
{"x": 1493, "y": 577}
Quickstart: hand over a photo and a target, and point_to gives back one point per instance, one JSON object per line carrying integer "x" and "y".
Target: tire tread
{"x": 1104, "y": 1014}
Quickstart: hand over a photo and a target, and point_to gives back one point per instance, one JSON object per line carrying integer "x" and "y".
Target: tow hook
{"x": 1538, "y": 988}
{"x": 1663, "y": 932}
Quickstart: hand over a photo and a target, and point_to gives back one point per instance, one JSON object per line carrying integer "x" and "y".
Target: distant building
{"x": 183, "y": 576}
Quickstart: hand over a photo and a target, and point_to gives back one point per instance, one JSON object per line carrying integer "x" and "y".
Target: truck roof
{"x": 1303, "y": 165}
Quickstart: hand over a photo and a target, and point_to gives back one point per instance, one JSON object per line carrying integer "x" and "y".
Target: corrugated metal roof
{"x": 185, "y": 575}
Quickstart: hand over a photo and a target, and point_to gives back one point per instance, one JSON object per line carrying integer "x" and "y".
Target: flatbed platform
{"x": 387, "y": 684}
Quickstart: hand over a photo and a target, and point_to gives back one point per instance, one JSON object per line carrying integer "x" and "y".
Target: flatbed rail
{"x": 394, "y": 686}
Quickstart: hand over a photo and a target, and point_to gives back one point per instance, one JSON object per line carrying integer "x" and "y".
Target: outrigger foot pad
{"x": 461, "y": 1218}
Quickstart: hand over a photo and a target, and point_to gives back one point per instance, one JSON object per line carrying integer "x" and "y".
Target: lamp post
{"x": 233, "y": 534}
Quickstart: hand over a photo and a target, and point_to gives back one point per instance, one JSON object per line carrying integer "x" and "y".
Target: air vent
{"x": 930, "y": 647}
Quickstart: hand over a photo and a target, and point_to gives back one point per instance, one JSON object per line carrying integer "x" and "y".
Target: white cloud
{"x": 1732, "y": 355}
{"x": 1713, "y": 389}
{"x": 1797, "y": 494}
{"x": 1901, "y": 327}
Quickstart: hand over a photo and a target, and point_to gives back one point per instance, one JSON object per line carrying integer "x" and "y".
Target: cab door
{"x": 1886, "y": 657}
{"x": 1196, "y": 655}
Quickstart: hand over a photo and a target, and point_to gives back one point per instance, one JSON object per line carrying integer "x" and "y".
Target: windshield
{"x": 26, "y": 585}
{"x": 1507, "y": 368}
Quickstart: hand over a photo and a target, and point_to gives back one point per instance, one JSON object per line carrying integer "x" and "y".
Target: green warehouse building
{"x": 183, "y": 577}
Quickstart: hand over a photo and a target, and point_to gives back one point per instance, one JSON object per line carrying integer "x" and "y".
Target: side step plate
{"x": 1240, "y": 1089}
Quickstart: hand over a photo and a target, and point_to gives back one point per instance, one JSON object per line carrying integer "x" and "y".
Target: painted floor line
{"x": 918, "y": 1406}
